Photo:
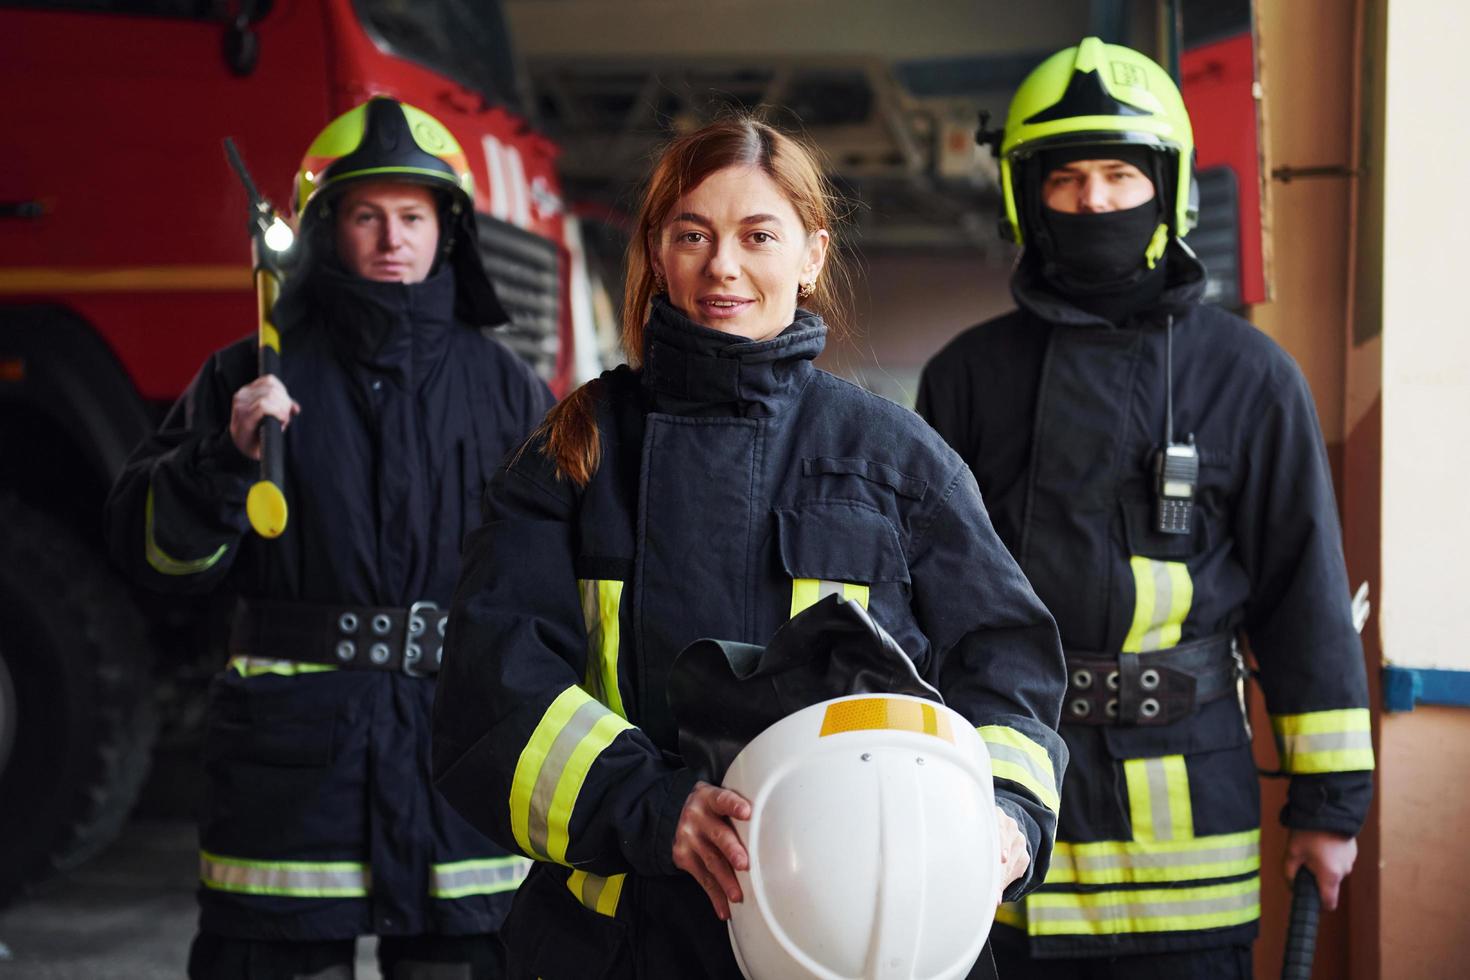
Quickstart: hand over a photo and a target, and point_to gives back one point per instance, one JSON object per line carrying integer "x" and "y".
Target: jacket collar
{"x": 388, "y": 326}
{"x": 1183, "y": 288}
{"x": 689, "y": 369}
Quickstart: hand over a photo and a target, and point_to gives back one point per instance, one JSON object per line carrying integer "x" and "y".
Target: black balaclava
{"x": 1099, "y": 260}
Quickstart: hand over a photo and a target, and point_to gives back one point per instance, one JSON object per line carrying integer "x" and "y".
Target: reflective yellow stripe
{"x": 893, "y": 714}
{"x": 1163, "y": 592}
{"x": 255, "y": 666}
{"x": 1011, "y": 914}
{"x": 162, "y": 561}
{"x": 596, "y": 893}
{"x": 1158, "y": 798}
{"x": 1148, "y": 862}
{"x": 296, "y": 879}
{"x": 601, "y": 599}
{"x": 807, "y": 591}
{"x": 1148, "y": 910}
{"x": 483, "y": 876}
{"x": 1324, "y": 741}
{"x": 552, "y": 767}
{"x": 1017, "y": 758}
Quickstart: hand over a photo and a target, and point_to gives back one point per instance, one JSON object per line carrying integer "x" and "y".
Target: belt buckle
{"x": 414, "y": 627}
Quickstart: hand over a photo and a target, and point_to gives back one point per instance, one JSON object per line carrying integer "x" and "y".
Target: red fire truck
{"x": 124, "y": 262}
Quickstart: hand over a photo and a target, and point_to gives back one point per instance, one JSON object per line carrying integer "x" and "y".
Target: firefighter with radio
{"x": 1156, "y": 467}
{"x": 319, "y": 823}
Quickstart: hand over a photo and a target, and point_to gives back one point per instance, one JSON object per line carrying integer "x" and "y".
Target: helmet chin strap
{"x": 1157, "y": 244}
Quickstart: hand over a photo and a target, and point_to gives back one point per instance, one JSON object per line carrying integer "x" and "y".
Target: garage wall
{"x": 907, "y": 305}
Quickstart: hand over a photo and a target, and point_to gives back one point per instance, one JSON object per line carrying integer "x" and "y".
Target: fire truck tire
{"x": 77, "y": 718}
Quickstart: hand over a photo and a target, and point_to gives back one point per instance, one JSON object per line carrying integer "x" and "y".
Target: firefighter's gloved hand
{"x": 1015, "y": 856}
{"x": 1327, "y": 855}
{"x": 706, "y": 845}
{"x": 264, "y": 397}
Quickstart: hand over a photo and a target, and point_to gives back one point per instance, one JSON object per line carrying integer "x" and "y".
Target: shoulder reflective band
{"x": 295, "y": 879}
{"x": 162, "y": 561}
{"x": 596, "y": 893}
{"x": 895, "y": 714}
{"x": 1017, "y": 758}
{"x": 808, "y": 591}
{"x": 1158, "y": 798}
{"x": 485, "y": 876}
{"x": 1324, "y": 741}
{"x": 1106, "y": 913}
{"x": 552, "y": 767}
{"x": 1154, "y": 862}
{"x": 255, "y": 666}
{"x": 601, "y": 599}
{"x": 1162, "y": 595}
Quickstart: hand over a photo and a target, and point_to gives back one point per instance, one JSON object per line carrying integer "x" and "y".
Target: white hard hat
{"x": 874, "y": 850}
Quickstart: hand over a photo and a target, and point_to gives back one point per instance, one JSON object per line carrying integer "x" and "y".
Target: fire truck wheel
{"x": 77, "y": 718}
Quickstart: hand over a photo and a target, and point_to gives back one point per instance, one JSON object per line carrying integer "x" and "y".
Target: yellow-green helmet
{"x": 1099, "y": 94}
{"x": 382, "y": 139}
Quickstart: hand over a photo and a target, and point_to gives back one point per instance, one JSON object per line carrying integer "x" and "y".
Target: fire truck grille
{"x": 525, "y": 270}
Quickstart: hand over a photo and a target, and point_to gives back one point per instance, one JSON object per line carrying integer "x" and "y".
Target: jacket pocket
{"x": 1215, "y": 726}
{"x": 553, "y": 935}
{"x": 866, "y": 469}
{"x": 841, "y": 547}
{"x": 271, "y": 720}
{"x": 1145, "y": 540}
{"x": 285, "y": 777}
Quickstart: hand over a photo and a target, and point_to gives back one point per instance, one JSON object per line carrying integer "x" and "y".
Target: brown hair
{"x": 570, "y": 429}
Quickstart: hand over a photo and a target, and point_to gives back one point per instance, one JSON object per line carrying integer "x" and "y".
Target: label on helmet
{"x": 895, "y": 714}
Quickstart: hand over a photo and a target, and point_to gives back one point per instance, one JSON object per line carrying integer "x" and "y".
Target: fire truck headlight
{"x": 279, "y": 236}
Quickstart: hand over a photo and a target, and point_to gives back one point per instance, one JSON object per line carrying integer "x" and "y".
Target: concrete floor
{"x": 126, "y": 915}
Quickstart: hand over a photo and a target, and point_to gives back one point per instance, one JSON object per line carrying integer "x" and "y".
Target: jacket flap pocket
{"x": 274, "y": 721}
{"x": 1213, "y": 727}
{"x": 1148, "y": 542}
{"x": 874, "y": 472}
{"x": 840, "y": 541}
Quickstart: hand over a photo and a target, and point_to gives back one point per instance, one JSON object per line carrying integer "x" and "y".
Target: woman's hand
{"x": 1015, "y": 857}
{"x": 265, "y": 396}
{"x": 706, "y": 846}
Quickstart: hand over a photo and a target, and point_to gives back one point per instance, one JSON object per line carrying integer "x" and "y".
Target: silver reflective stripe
{"x": 488, "y": 876}
{"x": 299, "y": 879}
{"x": 578, "y": 727}
{"x": 592, "y": 888}
{"x": 1116, "y": 905}
{"x": 1009, "y": 753}
{"x": 1327, "y": 742}
{"x": 1158, "y": 799}
{"x": 1086, "y": 862}
{"x": 826, "y": 588}
{"x": 1163, "y": 602}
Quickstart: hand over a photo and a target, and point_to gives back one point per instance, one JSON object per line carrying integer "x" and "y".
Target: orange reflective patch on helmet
{"x": 893, "y": 714}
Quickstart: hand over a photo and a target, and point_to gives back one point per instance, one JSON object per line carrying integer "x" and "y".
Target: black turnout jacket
{"x": 319, "y": 820}
{"x": 1059, "y": 413}
{"x": 737, "y": 483}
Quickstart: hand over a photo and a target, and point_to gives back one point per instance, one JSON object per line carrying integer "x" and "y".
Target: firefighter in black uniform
{"x": 1156, "y": 467}
{"x": 716, "y": 488}
{"x": 319, "y": 821}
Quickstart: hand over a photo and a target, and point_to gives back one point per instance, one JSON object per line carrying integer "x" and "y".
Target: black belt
{"x": 351, "y": 637}
{"x": 1154, "y": 688}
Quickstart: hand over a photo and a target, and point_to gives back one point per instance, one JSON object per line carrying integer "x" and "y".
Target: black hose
{"x": 1301, "y": 934}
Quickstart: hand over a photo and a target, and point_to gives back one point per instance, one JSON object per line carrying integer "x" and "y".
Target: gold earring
{"x": 659, "y": 285}
{"x": 805, "y": 290}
